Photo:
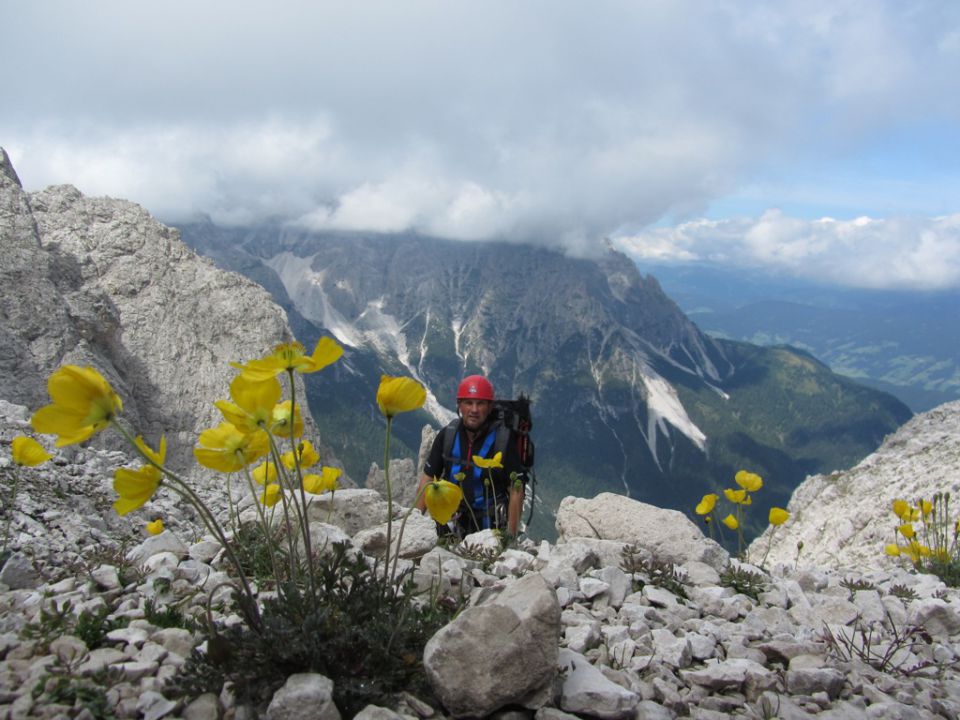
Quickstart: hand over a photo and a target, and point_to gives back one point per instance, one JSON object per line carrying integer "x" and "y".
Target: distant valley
{"x": 905, "y": 343}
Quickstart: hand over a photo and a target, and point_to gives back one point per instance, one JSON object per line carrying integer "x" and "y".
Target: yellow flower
{"x": 253, "y": 403}
{"x": 778, "y": 516}
{"x": 491, "y": 464}
{"x": 326, "y": 481}
{"x": 265, "y": 472}
{"x": 308, "y": 456}
{"x": 731, "y": 522}
{"x": 926, "y": 507}
{"x": 748, "y": 481}
{"x": 901, "y": 508}
{"x": 270, "y": 495}
{"x": 399, "y": 394}
{"x": 28, "y": 452}
{"x": 738, "y": 497}
{"x": 442, "y": 499}
{"x": 83, "y": 404}
{"x": 906, "y": 530}
{"x": 291, "y": 356}
{"x": 226, "y": 449}
{"x": 707, "y": 504}
{"x": 892, "y": 549}
{"x": 135, "y": 487}
{"x": 155, "y": 527}
{"x": 282, "y": 421}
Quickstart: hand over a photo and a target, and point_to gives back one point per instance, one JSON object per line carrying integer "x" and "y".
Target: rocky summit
{"x": 657, "y": 623}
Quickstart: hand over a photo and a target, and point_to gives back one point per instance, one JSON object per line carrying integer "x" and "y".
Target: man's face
{"x": 474, "y": 412}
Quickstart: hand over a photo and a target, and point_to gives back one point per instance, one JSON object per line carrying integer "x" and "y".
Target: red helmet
{"x": 475, "y": 387}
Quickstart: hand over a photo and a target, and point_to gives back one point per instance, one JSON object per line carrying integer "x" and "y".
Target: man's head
{"x": 474, "y": 401}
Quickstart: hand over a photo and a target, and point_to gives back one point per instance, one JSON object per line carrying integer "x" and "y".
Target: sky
{"x": 815, "y": 138}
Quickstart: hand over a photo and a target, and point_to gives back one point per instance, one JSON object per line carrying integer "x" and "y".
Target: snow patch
{"x": 305, "y": 288}
{"x": 663, "y": 405}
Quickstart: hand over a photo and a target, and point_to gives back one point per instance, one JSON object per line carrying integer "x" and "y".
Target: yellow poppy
{"x": 442, "y": 499}
{"x": 83, "y": 404}
{"x": 399, "y": 394}
{"x": 926, "y": 507}
{"x": 253, "y": 403}
{"x": 155, "y": 527}
{"x": 291, "y": 356}
{"x": 707, "y": 504}
{"x": 892, "y": 549}
{"x": 270, "y": 495}
{"x": 778, "y": 516}
{"x": 907, "y": 530}
{"x": 326, "y": 481}
{"x": 135, "y": 487}
{"x": 226, "y": 449}
{"x": 901, "y": 508}
{"x": 308, "y": 456}
{"x": 283, "y": 423}
{"x": 749, "y": 481}
{"x": 265, "y": 472}
{"x": 731, "y": 522}
{"x": 28, "y": 452}
{"x": 738, "y": 497}
{"x": 491, "y": 464}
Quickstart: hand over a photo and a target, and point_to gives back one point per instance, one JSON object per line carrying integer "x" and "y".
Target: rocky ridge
{"x": 844, "y": 519}
{"x": 648, "y": 625}
{"x": 98, "y": 281}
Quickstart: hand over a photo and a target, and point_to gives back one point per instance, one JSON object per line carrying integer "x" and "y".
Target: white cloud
{"x": 914, "y": 253}
{"x": 544, "y": 121}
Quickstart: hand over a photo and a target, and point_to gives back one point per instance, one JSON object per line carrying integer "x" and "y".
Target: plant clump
{"x": 927, "y": 537}
{"x": 737, "y": 501}
{"x": 354, "y": 619}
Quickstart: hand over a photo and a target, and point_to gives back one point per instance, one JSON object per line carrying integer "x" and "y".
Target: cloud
{"x": 908, "y": 253}
{"x": 541, "y": 121}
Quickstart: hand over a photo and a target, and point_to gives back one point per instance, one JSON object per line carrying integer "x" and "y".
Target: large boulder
{"x": 501, "y": 652}
{"x": 668, "y": 535}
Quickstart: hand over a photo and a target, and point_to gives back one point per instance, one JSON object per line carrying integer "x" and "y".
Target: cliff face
{"x": 98, "y": 281}
{"x": 845, "y": 519}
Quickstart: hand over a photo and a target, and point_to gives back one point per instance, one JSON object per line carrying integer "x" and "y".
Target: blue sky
{"x": 817, "y": 138}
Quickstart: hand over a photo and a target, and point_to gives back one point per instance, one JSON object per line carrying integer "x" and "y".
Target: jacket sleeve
{"x": 434, "y": 465}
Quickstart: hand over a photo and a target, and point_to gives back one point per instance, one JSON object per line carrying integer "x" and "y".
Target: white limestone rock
{"x": 667, "y": 534}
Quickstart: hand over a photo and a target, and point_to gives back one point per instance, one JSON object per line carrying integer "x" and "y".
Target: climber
{"x": 479, "y": 430}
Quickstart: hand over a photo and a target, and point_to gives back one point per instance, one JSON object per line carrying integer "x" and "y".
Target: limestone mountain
{"x": 844, "y": 519}
{"x": 98, "y": 281}
{"x": 629, "y": 396}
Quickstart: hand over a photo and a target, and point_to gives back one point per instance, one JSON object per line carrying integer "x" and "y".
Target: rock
{"x": 667, "y": 534}
{"x": 498, "y": 653}
{"x": 419, "y": 537}
{"x": 204, "y": 707}
{"x": 18, "y": 573}
{"x": 304, "y": 696}
{"x": 586, "y": 691}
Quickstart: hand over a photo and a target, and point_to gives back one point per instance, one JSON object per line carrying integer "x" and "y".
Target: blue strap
{"x": 478, "y": 495}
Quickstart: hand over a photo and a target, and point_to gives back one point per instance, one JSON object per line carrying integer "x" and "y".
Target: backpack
{"x": 514, "y": 419}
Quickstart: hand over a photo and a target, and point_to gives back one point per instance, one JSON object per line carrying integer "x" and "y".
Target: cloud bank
{"x": 917, "y": 254}
{"x": 542, "y": 121}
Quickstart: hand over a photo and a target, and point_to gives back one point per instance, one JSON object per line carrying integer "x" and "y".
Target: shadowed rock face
{"x": 98, "y": 281}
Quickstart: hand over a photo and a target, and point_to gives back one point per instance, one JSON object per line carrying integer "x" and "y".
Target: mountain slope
{"x": 920, "y": 459}
{"x": 629, "y": 395}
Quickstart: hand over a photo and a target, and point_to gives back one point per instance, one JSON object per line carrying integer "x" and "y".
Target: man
{"x": 478, "y": 432}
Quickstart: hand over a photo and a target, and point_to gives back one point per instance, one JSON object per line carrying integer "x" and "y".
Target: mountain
{"x": 906, "y": 343}
{"x": 919, "y": 460}
{"x": 98, "y": 281}
{"x": 629, "y": 396}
